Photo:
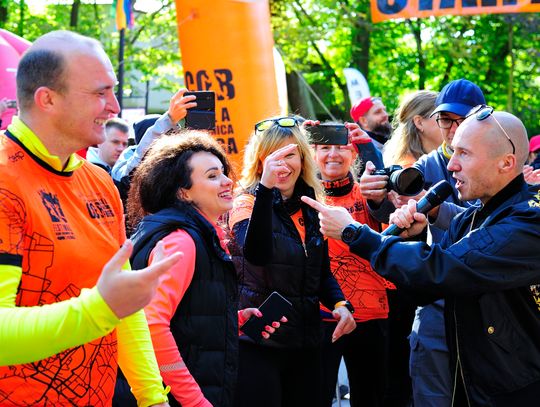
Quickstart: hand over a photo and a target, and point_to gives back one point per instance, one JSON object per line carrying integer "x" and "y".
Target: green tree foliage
{"x": 499, "y": 52}
{"x": 151, "y": 47}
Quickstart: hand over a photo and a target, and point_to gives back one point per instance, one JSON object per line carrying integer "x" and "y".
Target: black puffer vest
{"x": 205, "y": 324}
{"x": 294, "y": 272}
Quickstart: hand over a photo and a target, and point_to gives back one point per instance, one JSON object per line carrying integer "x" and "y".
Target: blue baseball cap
{"x": 459, "y": 97}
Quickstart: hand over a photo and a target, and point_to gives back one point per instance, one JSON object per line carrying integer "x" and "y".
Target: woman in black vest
{"x": 178, "y": 193}
{"x": 277, "y": 246}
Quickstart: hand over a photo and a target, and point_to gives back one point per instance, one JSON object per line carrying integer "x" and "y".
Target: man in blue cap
{"x": 428, "y": 364}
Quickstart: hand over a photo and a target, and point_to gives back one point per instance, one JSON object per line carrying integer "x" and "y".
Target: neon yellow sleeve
{"x": 28, "y": 334}
{"x": 137, "y": 360}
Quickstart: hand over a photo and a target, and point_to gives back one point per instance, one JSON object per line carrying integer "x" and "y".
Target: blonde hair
{"x": 262, "y": 144}
{"x": 406, "y": 140}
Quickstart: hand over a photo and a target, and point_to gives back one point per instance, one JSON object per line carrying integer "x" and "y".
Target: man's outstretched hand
{"x": 127, "y": 291}
{"x": 333, "y": 219}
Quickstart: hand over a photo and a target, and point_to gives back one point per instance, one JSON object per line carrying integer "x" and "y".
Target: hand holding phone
{"x": 272, "y": 309}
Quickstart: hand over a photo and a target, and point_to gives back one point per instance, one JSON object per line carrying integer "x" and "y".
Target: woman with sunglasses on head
{"x": 178, "y": 193}
{"x": 277, "y": 246}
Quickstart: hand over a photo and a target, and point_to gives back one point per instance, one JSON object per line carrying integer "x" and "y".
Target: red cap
{"x": 534, "y": 143}
{"x": 361, "y": 107}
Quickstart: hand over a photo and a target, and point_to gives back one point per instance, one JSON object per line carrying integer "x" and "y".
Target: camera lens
{"x": 407, "y": 182}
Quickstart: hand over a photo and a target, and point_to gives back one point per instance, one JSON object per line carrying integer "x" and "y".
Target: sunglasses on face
{"x": 280, "y": 121}
{"x": 447, "y": 123}
{"x": 482, "y": 112}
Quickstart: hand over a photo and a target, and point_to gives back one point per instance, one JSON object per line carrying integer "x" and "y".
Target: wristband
{"x": 345, "y": 304}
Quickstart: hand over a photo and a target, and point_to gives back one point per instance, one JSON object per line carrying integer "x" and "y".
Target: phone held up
{"x": 12, "y": 104}
{"x": 203, "y": 116}
{"x": 329, "y": 134}
{"x": 273, "y": 308}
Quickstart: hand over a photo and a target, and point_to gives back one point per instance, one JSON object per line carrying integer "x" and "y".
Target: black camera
{"x": 405, "y": 181}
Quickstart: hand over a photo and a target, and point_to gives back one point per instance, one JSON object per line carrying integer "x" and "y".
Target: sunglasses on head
{"x": 482, "y": 112}
{"x": 280, "y": 121}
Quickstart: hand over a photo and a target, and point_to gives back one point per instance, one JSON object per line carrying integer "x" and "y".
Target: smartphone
{"x": 12, "y": 104}
{"x": 273, "y": 308}
{"x": 201, "y": 120}
{"x": 206, "y": 99}
{"x": 203, "y": 116}
{"x": 330, "y": 134}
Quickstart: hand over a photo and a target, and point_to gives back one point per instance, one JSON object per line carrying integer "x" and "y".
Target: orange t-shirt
{"x": 63, "y": 227}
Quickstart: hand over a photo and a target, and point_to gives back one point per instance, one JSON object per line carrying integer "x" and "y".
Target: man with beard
{"x": 370, "y": 114}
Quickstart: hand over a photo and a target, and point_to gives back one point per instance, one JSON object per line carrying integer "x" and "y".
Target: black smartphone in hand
{"x": 273, "y": 308}
{"x": 203, "y": 116}
{"x": 329, "y": 134}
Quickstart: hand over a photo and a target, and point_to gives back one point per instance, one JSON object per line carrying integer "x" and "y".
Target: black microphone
{"x": 436, "y": 195}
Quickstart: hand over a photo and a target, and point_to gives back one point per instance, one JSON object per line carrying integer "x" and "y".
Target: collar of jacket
{"x": 512, "y": 188}
{"x": 340, "y": 187}
{"x": 293, "y": 204}
{"x": 376, "y": 136}
{"x": 31, "y": 142}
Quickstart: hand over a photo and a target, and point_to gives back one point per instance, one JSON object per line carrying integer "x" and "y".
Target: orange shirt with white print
{"x": 60, "y": 226}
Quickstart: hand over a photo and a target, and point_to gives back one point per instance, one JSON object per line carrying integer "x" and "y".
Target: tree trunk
{"x": 417, "y": 33}
{"x": 3, "y": 14}
{"x": 74, "y": 19}
{"x": 509, "y": 102}
{"x": 299, "y": 100}
{"x": 20, "y": 28}
{"x": 360, "y": 49}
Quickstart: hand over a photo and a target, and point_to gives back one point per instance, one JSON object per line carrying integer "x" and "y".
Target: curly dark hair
{"x": 165, "y": 169}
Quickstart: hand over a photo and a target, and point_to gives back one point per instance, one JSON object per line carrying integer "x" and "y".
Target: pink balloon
{"x": 11, "y": 49}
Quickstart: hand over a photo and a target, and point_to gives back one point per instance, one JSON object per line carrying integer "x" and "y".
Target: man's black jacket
{"x": 487, "y": 268}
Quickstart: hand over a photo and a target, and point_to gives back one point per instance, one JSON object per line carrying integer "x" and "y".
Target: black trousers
{"x": 269, "y": 377}
{"x": 364, "y": 351}
{"x": 400, "y": 318}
